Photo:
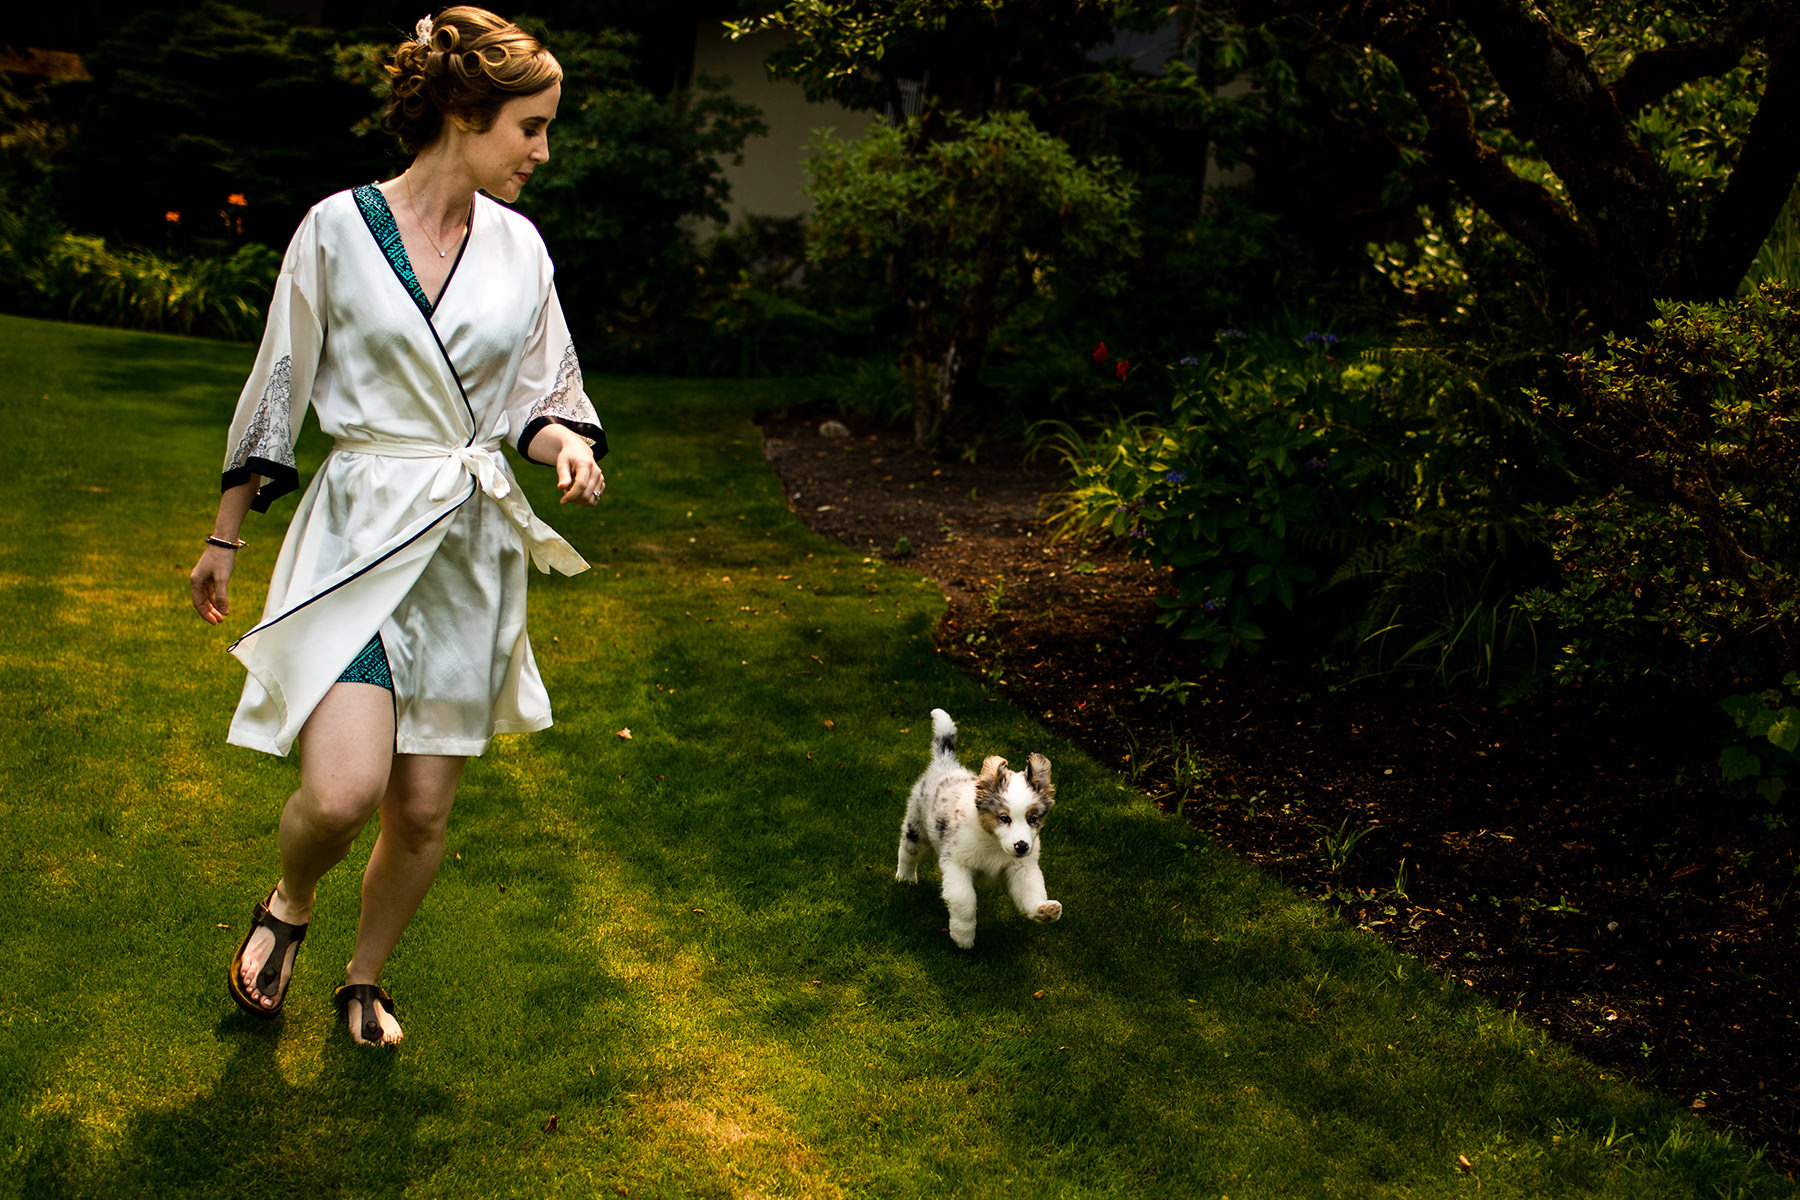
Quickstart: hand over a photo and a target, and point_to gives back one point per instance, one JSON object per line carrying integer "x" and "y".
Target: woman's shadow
{"x": 353, "y": 1128}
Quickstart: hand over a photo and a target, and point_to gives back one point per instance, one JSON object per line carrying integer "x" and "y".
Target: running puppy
{"x": 983, "y": 824}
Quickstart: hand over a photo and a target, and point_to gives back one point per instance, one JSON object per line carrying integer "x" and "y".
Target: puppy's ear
{"x": 993, "y": 769}
{"x": 1037, "y": 778}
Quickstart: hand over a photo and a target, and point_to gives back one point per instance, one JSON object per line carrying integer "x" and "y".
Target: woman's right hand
{"x": 210, "y": 582}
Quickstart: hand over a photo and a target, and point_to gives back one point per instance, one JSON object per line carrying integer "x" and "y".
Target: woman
{"x": 419, "y": 320}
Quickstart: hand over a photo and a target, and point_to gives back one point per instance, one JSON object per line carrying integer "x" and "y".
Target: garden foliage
{"x": 1768, "y": 738}
{"x": 964, "y": 228}
{"x": 1287, "y": 479}
{"x": 1682, "y": 564}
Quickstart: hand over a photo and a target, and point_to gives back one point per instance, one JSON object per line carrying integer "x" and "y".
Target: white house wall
{"x": 768, "y": 180}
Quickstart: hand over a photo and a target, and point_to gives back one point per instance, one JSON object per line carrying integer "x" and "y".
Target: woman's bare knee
{"x": 415, "y": 812}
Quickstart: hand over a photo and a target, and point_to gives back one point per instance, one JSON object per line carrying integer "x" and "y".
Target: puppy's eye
{"x": 1005, "y": 819}
{"x": 1033, "y": 819}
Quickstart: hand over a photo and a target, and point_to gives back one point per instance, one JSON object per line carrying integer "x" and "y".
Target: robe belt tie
{"x": 494, "y": 476}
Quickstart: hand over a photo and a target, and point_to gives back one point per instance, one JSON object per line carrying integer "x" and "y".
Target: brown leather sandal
{"x": 368, "y": 995}
{"x": 286, "y": 936}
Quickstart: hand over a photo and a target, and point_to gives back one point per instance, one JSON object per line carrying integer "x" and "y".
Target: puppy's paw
{"x": 964, "y": 938}
{"x": 907, "y": 875}
{"x": 1048, "y": 911}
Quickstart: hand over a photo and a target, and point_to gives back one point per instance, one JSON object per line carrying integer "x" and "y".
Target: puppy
{"x": 979, "y": 825}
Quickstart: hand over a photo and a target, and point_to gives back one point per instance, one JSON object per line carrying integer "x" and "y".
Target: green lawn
{"x": 686, "y": 947}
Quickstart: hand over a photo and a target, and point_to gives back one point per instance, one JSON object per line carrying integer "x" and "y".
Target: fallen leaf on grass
{"x": 550, "y": 1125}
{"x": 1463, "y": 1163}
{"x": 625, "y": 735}
{"x": 830, "y": 724}
{"x": 1038, "y": 995}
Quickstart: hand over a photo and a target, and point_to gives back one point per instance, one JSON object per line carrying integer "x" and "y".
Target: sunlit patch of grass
{"x": 686, "y": 946}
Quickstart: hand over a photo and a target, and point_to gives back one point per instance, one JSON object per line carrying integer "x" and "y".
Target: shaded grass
{"x": 686, "y": 946}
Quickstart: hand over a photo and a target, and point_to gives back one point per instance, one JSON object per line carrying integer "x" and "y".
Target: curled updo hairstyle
{"x": 463, "y": 66}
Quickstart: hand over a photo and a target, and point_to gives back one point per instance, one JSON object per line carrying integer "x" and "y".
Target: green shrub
{"x": 51, "y": 272}
{"x": 1684, "y": 567}
{"x": 1768, "y": 738}
{"x": 965, "y": 220}
{"x": 1296, "y": 482}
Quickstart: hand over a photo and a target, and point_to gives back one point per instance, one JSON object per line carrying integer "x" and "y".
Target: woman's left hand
{"x": 577, "y": 474}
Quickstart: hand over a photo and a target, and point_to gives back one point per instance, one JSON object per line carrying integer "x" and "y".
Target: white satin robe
{"x": 414, "y": 526}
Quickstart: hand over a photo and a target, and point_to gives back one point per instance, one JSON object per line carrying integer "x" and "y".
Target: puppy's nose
{"x": 1020, "y": 848}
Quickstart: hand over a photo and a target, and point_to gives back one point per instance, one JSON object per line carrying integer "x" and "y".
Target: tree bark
{"x": 1616, "y": 245}
{"x": 1762, "y": 182}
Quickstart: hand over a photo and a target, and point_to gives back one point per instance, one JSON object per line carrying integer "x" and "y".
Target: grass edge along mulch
{"x": 673, "y": 963}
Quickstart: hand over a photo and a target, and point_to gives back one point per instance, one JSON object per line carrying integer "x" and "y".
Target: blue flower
{"x": 1175, "y": 476}
{"x": 1315, "y": 338}
{"x": 1232, "y": 335}
{"x": 1189, "y": 361}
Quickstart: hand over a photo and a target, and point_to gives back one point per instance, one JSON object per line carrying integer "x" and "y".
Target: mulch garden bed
{"x": 1569, "y": 855}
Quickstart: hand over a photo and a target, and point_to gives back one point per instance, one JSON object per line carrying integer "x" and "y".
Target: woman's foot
{"x": 259, "y": 985}
{"x": 369, "y": 1012}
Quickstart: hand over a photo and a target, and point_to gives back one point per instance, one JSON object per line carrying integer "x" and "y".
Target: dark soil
{"x": 1569, "y": 855}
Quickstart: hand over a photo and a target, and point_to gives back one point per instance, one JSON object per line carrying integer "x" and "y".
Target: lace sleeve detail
{"x": 566, "y": 404}
{"x": 566, "y": 398}
{"x": 267, "y": 446}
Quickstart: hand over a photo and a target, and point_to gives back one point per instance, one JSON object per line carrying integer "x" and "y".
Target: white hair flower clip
{"x": 422, "y": 31}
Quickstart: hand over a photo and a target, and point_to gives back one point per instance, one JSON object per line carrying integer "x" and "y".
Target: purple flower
{"x": 1188, "y": 362}
{"x": 1140, "y": 532}
{"x": 1175, "y": 476}
{"x": 1231, "y": 335}
{"x": 1315, "y": 463}
{"x": 1315, "y": 338}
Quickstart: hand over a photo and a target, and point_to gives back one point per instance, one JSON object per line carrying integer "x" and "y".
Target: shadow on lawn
{"x": 354, "y": 1127}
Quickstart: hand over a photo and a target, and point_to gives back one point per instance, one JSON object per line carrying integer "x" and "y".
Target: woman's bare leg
{"x": 415, "y": 812}
{"x": 346, "y": 751}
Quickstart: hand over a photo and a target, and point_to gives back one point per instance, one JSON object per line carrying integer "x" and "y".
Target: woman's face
{"x": 503, "y": 158}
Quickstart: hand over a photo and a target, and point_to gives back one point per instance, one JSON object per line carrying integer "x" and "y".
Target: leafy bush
{"x": 1768, "y": 728}
{"x": 187, "y": 108}
{"x": 51, "y": 272}
{"x": 1685, "y": 568}
{"x": 1296, "y": 482}
{"x": 964, "y": 226}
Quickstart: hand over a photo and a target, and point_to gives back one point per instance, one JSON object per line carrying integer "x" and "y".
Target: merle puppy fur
{"x": 979, "y": 825}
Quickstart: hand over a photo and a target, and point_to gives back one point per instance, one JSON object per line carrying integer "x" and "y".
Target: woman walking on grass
{"x": 419, "y": 320}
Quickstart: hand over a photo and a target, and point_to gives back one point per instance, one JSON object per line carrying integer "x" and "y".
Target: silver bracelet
{"x": 222, "y": 544}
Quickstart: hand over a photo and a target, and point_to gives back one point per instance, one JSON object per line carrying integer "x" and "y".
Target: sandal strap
{"x": 368, "y": 995}
{"x": 285, "y": 935}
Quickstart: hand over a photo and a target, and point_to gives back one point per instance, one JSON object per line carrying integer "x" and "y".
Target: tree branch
{"x": 1761, "y": 182}
{"x": 1524, "y": 209}
{"x": 1654, "y": 74}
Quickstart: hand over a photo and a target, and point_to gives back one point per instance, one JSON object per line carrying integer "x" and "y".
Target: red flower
{"x": 1100, "y": 352}
{"x": 172, "y": 217}
{"x": 236, "y": 200}
{"x": 1122, "y": 369}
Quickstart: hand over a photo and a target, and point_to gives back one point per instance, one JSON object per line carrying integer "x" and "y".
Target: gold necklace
{"x": 413, "y": 204}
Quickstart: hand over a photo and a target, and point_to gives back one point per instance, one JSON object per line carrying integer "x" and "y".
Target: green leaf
{"x": 1785, "y": 731}
{"x": 1738, "y": 763}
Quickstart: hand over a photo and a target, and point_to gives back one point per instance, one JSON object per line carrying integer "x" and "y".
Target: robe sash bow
{"x": 493, "y": 475}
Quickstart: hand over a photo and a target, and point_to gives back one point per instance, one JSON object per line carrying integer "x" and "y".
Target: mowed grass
{"x": 675, "y": 964}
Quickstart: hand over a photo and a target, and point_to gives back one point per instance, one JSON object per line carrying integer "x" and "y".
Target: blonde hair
{"x": 464, "y": 66}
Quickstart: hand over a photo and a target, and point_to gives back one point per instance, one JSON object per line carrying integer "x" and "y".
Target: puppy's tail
{"x": 943, "y": 734}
